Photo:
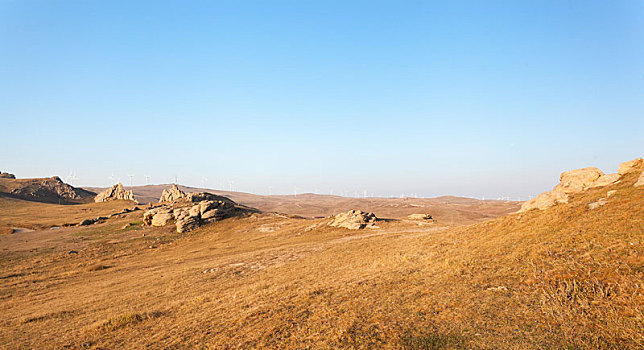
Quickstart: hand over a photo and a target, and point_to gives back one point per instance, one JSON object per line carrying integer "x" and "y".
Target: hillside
{"x": 46, "y": 190}
{"x": 448, "y": 209}
{"x": 564, "y": 277}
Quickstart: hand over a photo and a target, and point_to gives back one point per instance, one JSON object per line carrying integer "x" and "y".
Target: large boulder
{"x": 187, "y": 223}
{"x": 570, "y": 182}
{"x": 419, "y": 217}
{"x": 158, "y": 216}
{"x": 545, "y": 200}
{"x": 188, "y": 216}
{"x": 7, "y": 175}
{"x": 578, "y": 180}
{"x": 354, "y": 220}
{"x": 113, "y": 193}
{"x": 629, "y": 166}
{"x": 605, "y": 180}
{"x": 172, "y": 194}
{"x": 575, "y": 181}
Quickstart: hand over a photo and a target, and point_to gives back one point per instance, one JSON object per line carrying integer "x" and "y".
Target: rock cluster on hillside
{"x": 575, "y": 181}
{"x": 354, "y": 220}
{"x": 7, "y": 175}
{"x": 191, "y": 210}
{"x": 172, "y": 194}
{"x": 113, "y": 193}
{"x": 51, "y": 190}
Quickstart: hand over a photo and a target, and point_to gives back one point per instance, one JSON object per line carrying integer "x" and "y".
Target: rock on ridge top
{"x": 114, "y": 193}
{"x": 575, "y": 181}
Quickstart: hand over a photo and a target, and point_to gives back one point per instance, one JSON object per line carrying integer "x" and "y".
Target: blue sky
{"x": 463, "y": 98}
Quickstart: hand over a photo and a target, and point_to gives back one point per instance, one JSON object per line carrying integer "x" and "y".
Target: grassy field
{"x": 564, "y": 278}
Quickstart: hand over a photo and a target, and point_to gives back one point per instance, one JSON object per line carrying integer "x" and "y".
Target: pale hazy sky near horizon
{"x": 464, "y": 98}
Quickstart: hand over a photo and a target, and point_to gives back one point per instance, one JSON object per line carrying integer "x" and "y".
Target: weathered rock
{"x": 640, "y": 181}
{"x": 570, "y": 182}
{"x": 545, "y": 200}
{"x": 162, "y": 219}
{"x": 629, "y": 166}
{"x": 114, "y": 193}
{"x": 211, "y": 214}
{"x": 578, "y": 180}
{"x": 605, "y": 180}
{"x": 354, "y": 220}
{"x": 194, "y": 211}
{"x": 187, "y": 224}
{"x": 180, "y": 213}
{"x": 172, "y": 194}
{"x": 597, "y": 204}
{"x": 158, "y": 216}
{"x": 419, "y": 217}
{"x": 205, "y": 206}
{"x": 87, "y": 222}
{"x": 7, "y": 175}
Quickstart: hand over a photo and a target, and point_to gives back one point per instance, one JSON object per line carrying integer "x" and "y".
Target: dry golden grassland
{"x": 563, "y": 278}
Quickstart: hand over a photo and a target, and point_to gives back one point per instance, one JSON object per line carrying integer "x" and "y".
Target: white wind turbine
{"x": 147, "y": 179}
{"x": 112, "y": 179}
{"x": 131, "y": 176}
{"x": 72, "y": 177}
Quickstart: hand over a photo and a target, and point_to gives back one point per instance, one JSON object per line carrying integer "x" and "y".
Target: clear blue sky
{"x": 452, "y": 97}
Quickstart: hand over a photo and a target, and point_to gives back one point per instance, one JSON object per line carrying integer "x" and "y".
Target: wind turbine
{"x": 147, "y": 179}
{"x": 294, "y": 191}
{"x": 72, "y": 178}
{"x": 113, "y": 179}
{"x": 203, "y": 181}
{"x": 131, "y": 176}
{"x": 270, "y": 190}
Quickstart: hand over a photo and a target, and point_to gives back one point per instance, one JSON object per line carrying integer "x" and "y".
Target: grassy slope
{"x": 566, "y": 277}
{"x": 22, "y": 213}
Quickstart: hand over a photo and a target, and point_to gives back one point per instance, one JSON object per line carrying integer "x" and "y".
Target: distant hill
{"x": 447, "y": 209}
{"x": 46, "y": 190}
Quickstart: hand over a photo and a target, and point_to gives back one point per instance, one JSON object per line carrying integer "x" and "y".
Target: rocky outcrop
{"x": 172, "y": 194}
{"x": 419, "y": 217}
{"x": 575, "y": 181}
{"x": 7, "y": 175}
{"x": 354, "y": 220}
{"x": 578, "y": 180}
{"x": 640, "y": 181}
{"x": 629, "y": 166}
{"x": 48, "y": 190}
{"x": 114, "y": 193}
{"x": 188, "y": 215}
{"x": 605, "y": 180}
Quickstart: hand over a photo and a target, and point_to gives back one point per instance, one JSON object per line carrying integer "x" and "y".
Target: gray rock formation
{"x": 354, "y": 220}
{"x": 7, "y": 175}
{"x": 114, "y": 193}
{"x": 188, "y": 216}
{"x": 172, "y": 194}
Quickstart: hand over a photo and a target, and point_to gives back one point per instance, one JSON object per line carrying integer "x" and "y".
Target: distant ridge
{"x": 46, "y": 190}
{"x": 447, "y": 209}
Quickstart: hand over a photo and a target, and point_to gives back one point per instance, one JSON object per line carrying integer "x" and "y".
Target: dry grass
{"x": 34, "y": 215}
{"x": 563, "y": 278}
